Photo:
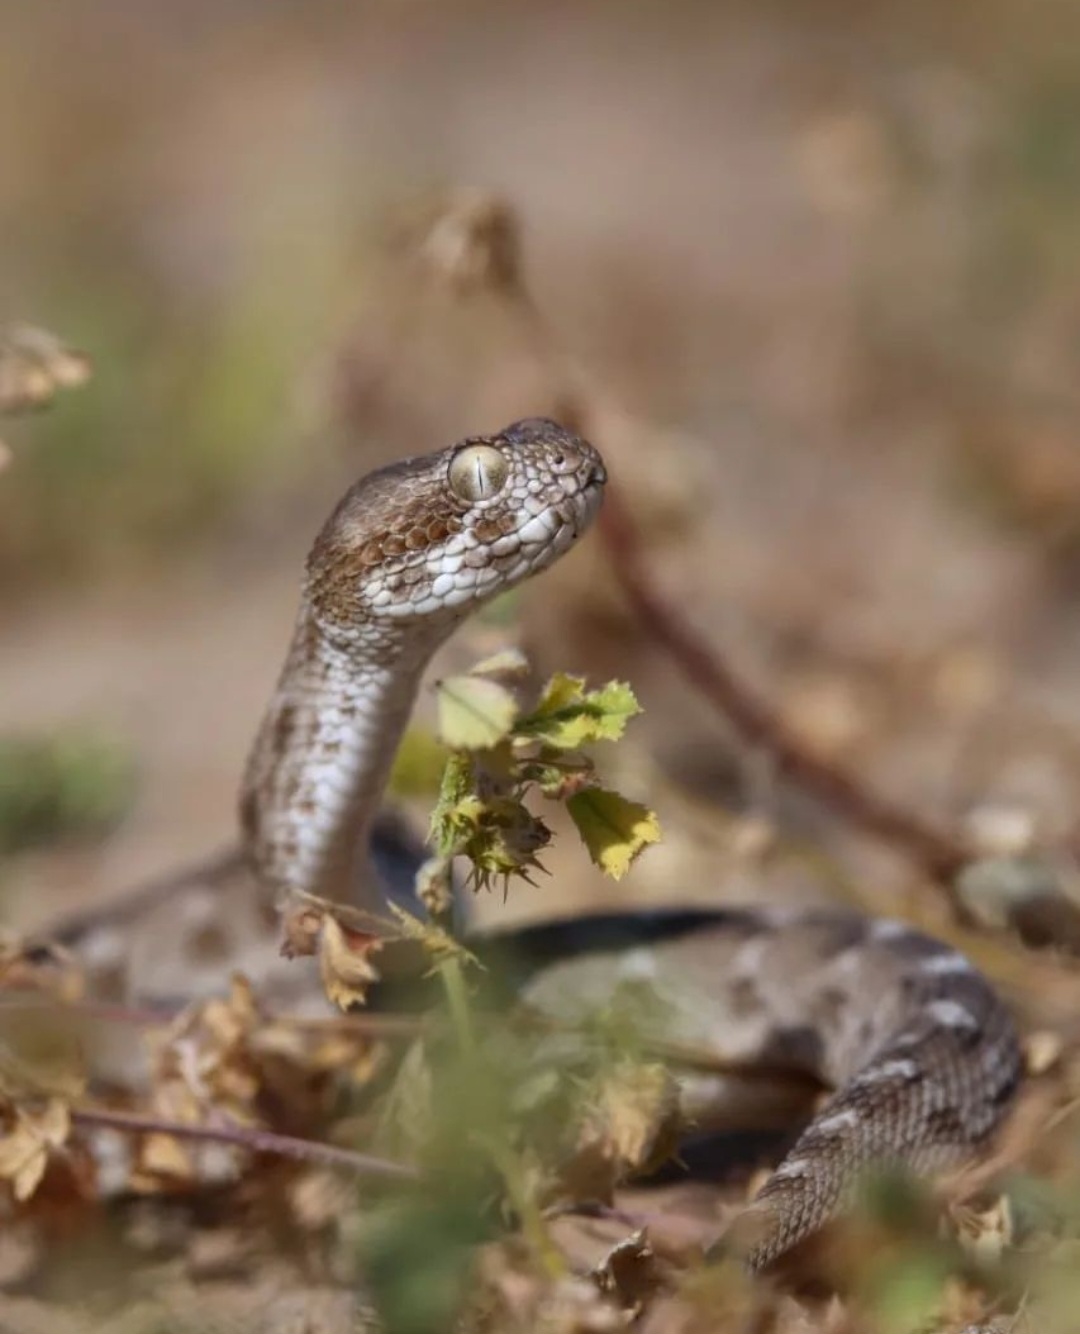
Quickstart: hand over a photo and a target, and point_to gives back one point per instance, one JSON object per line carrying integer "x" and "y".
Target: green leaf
{"x": 567, "y": 715}
{"x": 613, "y": 829}
{"x": 475, "y": 713}
{"x": 418, "y": 765}
{"x": 70, "y": 785}
{"x": 447, "y": 819}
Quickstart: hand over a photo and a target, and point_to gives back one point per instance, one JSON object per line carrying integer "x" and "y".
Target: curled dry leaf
{"x": 345, "y": 963}
{"x": 342, "y": 939}
{"x": 629, "y": 1272}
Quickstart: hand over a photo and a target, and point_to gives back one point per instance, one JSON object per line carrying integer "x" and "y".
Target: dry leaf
{"x": 165, "y": 1156}
{"x": 345, "y": 963}
{"x": 343, "y": 939}
{"x": 629, "y": 1272}
{"x": 30, "y": 1136}
{"x": 301, "y": 924}
{"x": 631, "y": 1123}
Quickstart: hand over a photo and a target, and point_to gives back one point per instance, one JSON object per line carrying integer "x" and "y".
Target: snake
{"x": 920, "y": 1052}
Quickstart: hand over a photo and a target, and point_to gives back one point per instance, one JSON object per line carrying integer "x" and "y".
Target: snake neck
{"x": 322, "y": 755}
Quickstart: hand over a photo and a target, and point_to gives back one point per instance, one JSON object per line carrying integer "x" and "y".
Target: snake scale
{"x": 921, "y": 1053}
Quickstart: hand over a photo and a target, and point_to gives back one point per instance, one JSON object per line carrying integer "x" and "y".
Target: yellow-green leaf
{"x": 613, "y": 829}
{"x": 475, "y": 713}
{"x": 561, "y": 692}
{"x": 567, "y": 716}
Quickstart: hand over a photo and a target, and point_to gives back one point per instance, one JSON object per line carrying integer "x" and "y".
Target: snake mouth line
{"x": 586, "y": 504}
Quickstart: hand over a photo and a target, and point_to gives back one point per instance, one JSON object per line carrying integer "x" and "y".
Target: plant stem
{"x": 498, "y": 1144}
{"x": 525, "y": 1206}
{"x": 457, "y": 998}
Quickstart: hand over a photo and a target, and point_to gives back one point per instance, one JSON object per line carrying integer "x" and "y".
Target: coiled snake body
{"x": 921, "y": 1052}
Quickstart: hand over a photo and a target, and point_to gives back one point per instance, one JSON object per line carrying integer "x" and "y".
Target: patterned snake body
{"x": 921, "y": 1052}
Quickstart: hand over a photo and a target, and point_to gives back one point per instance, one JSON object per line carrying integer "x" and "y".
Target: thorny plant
{"x": 477, "y": 1108}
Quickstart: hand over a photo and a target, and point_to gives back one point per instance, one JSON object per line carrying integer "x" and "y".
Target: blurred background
{"x": 822, "y": 256}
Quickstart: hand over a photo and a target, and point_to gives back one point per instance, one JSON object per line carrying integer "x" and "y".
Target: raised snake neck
{"x": 922, "y": 1053}
{"x": 407, "y": 555}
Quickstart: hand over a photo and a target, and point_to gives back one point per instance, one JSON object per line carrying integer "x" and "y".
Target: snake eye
{"x": 478, "y": 472}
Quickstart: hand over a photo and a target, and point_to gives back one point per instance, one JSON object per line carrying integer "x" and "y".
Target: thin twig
{"x": 375, "y": 1025}
{"x": 941, "y": 856}
{"x": 244, "y": 1137}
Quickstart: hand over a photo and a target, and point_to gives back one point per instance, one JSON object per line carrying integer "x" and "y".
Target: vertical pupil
{"x": 481, "y": 489}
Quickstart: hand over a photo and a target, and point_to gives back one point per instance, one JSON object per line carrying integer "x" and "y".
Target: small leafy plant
{"x": 498, "y": 1113}
{"x": 501, "y": 751}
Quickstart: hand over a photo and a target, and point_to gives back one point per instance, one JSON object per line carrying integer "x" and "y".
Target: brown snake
{"x": 921, "y": 1052}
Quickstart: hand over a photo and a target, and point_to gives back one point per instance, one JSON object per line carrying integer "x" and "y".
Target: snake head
{"x": 431, "y": 538}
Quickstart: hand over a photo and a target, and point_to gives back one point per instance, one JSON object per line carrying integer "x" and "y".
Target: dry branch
{"x": 476, "y": 243}
{"x": 244, "y": 1137}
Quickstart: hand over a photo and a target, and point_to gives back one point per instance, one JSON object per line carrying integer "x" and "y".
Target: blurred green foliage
{"x": 192, "y": 407}
{"x": 71, "y": 785}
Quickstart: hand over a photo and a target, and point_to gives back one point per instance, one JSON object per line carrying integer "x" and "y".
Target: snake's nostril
{"x": 598, "y": 473}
